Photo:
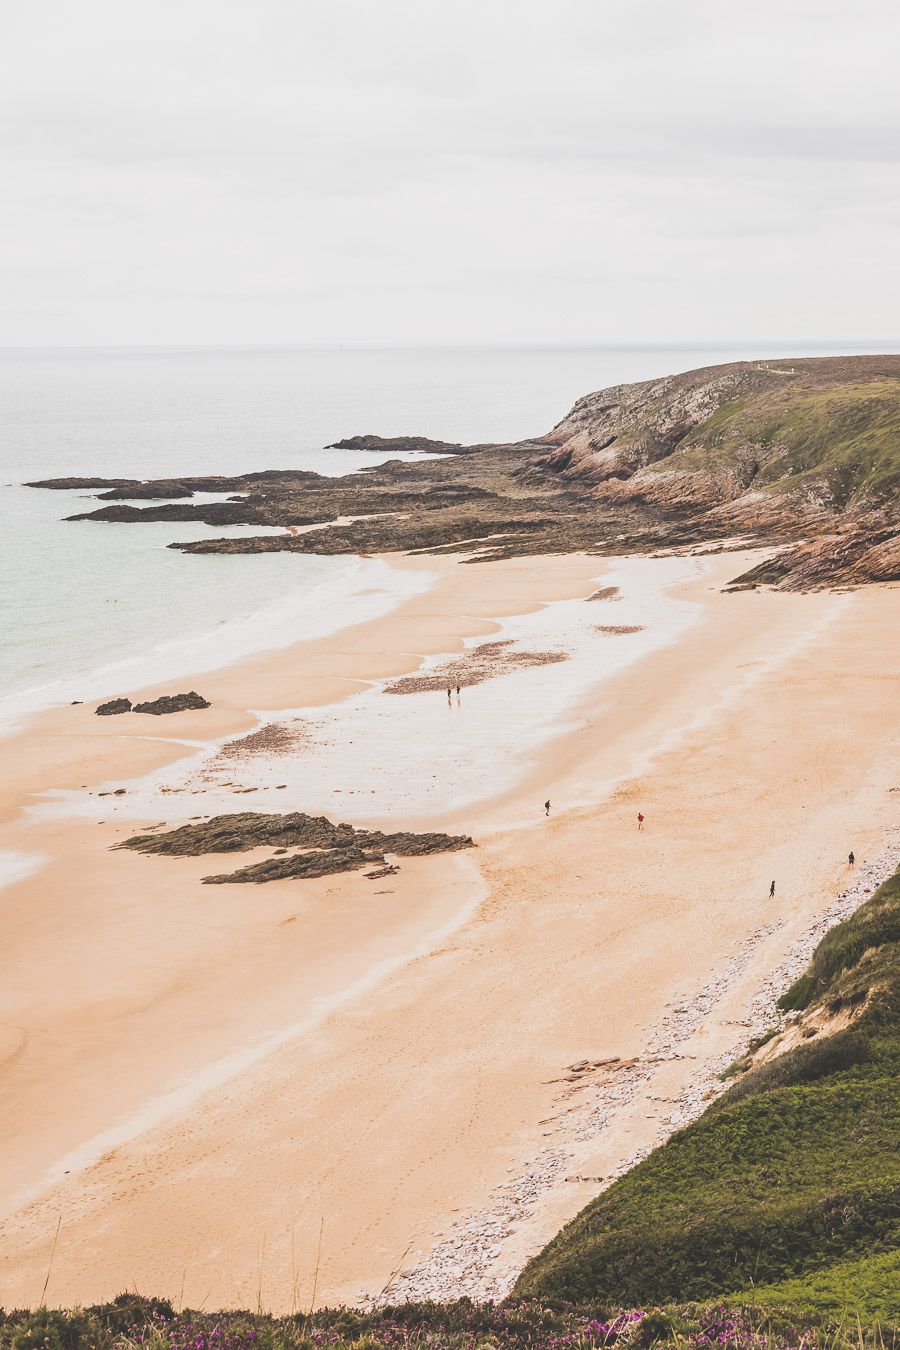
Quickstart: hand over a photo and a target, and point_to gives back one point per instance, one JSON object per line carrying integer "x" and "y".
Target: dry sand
{"x": 195, "y": 1077}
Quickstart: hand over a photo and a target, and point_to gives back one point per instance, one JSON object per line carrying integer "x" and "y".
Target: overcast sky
{"x": 536, "y": 171}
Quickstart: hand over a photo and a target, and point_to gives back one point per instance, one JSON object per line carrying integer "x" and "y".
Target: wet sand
{"x": 196, "y": 1076}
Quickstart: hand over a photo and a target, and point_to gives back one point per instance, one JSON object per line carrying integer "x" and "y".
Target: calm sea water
{"x": 90, "y": 607}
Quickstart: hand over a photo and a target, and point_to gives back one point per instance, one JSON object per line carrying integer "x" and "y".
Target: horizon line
{"x": 874, "y": 346}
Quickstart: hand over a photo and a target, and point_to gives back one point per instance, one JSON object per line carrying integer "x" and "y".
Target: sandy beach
{"x": 415, "y": 1081}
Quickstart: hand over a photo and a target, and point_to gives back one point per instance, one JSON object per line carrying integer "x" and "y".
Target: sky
{"x": 237, "y": 172}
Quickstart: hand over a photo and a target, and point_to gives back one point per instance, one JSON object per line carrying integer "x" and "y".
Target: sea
{"x": 90, "y": 608}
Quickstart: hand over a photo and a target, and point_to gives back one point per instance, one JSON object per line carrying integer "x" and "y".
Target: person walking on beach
{"x": 449, "y": 695}
{"x": 547, "y": 806}
{"x": 457, "y": 693}
{"x": 852, "y": 859}
{"x": 772, "y": 891}
{"x": 640, "y": 820}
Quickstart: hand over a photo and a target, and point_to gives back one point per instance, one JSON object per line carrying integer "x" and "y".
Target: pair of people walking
{"x": 640, "y": 817}
{"x": 851, "y": 862}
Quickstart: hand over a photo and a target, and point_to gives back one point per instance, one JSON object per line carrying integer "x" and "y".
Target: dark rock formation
{"x": 299, "y": 866}
{"x": 326, "y": 847}
{"x": 81, "y": 484}
{"x": 146, "y": 491}
{"x": 172, "y": 703}
{"x": 397, "y": 445}
{"x": 115, "y": 705}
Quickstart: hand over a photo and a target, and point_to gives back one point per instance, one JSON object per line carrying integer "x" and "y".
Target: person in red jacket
{"x": 640, "y": 821}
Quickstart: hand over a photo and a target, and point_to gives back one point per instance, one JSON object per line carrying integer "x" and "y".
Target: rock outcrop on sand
{"x": 172, "y": 703}
{"x": 166, "y": 703}
{"x": 804, "y": 455}
{"x": 113, "y": 707}
{"x": 323, "y": 847}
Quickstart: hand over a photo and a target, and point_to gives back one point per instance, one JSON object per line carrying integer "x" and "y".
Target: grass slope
{"x": 840, "y": 446}
{"x": 788, "y": 1187}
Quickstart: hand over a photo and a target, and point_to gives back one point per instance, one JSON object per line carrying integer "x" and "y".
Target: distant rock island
{"x": 803, "y": 455}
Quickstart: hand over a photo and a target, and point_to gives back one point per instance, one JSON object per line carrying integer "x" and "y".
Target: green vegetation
{"x": 841, "y": 961}
{"x": 871, "y": 1282}
{"x": 529, "y": 1324}
{"x": 787, "y": 1189}
{"x": 841, "y": 444}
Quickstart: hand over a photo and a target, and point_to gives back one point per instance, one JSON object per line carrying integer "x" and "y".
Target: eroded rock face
{"x": 616, "y": 432}
{"x": 851, "y": 557}
{"x": 115, "y": 705}
{"x": 324, "y": 847}
{"x": 172, "y": 703}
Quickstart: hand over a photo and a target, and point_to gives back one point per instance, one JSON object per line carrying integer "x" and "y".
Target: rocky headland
{"x": 801, "y": 455}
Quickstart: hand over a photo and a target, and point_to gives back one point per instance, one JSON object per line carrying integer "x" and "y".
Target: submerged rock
{"x": 171, "y": 703}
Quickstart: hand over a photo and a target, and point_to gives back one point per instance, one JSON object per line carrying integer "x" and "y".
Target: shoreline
{"x": 456, "y": 1100}
{"x": 248, "y": 637}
